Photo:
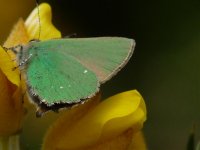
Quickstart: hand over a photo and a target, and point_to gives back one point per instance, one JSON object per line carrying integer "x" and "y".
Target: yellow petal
{"x": 109, "y": 119}
{"x": 138, "y": 142}
{"x": 121, "y": 142}
{"x": 47, "y": 31}
{"x": 72, "y": 115}
{"x": 7, "y": 65}
{"x": 18, "y": 35}
{"x": 10, "y": 113}
{"x": 11, "y": 107}
{"x": 126, "y": 141}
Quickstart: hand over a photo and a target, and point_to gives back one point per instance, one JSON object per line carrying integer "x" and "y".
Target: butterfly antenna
{"x": 39, "y": 21}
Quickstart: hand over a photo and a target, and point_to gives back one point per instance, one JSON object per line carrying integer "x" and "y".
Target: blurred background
{"x": 165, "y": 67}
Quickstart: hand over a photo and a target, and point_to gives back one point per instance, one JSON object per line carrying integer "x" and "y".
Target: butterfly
{"x": 60, "y": 73}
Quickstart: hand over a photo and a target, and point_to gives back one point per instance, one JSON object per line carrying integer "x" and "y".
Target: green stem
{"x": 9, "y": 143}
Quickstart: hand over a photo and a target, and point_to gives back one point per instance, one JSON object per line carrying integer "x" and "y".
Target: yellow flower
{"x": 11, "y": 106}
{"x": 113, "y": 124}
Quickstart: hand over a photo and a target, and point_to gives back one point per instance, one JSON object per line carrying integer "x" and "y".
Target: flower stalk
{"x": 10, "y": 142}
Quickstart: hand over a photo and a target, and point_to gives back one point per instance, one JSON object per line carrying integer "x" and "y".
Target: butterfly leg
{"x": 34, "y": 40}
{"x": 71, "y": 35}
{"x": 23, "y": 62}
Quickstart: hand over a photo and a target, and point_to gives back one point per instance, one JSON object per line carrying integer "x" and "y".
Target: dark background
{"x": 165, "y": 65}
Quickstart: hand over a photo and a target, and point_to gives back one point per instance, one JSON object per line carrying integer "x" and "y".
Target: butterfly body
{"x": 63, "y": 72}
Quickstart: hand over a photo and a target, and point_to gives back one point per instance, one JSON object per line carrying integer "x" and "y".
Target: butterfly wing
{"x": 105, "y": 55}
{"x": 57, "y": 78}
{"x": 68, "y": 70}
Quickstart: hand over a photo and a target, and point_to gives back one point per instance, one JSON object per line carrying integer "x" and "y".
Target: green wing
{"x": 59, "y": 78}
{"x": 105, "y": 56}
{"x": 67, "y": 70}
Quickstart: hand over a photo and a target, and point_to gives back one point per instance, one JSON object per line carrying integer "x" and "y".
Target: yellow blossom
{"x": 113, "y": 124}
{"x": 11, "y": 106}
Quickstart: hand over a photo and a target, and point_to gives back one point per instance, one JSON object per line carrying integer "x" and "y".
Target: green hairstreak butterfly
{"x": 62, "y": 72}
